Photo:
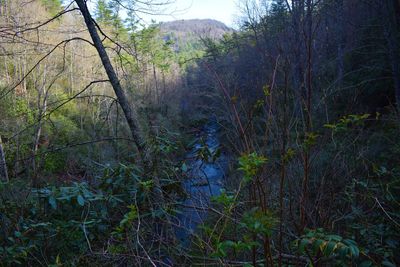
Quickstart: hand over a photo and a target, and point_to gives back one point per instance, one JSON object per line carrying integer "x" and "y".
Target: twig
{"x": 387, "y": 214}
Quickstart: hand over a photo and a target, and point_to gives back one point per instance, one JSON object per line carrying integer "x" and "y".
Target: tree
{"x": 391, "y": 25}
{"x": 103, "y": 13}
{"x": 3, "y": 165}
{"x": 129, "y": 113}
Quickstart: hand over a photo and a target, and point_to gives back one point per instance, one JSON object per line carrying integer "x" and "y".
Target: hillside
{"x": 187, "y": 33}
{"x": 196, "y": 27}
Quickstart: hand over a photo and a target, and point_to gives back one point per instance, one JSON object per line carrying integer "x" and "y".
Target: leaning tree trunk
{"x": 3, "y": 165}
{"x": 112, "y": 76}
{"x": 122, "y": 99}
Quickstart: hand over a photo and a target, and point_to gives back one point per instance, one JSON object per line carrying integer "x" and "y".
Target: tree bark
{"x": 390, "y": 12}
{"x": 340, "y": 32}
{"x": 130, "y": 116}
{"x": 392, "y": 36}
{"x": 3, "y": 165}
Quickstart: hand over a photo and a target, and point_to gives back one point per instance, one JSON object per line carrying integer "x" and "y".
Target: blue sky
{"x": 222, "y": 10}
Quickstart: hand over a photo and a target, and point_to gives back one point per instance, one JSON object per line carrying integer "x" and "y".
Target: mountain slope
{"x": 187, "y": 34}
{"x": 197, "y": 27}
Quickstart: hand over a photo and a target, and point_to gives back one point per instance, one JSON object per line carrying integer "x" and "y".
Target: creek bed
{"x": 205, "y": 180}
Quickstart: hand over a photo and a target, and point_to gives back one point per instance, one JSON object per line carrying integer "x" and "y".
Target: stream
{"x": 205, "y": 180}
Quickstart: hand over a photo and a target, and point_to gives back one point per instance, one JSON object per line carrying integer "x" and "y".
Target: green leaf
{"x": 81, "y": 200}
{"x": 330, "y": 247}
{"x": 366, "y": 264}
{"x": 303, "y": 243}
{"x": 343, "y": 251}
{"x": 228, "y": 243}
{"x": 388, "y": 263}
{"x": 251, "y": 164}
{"x": 216, "y": 154}
{"x": 355, "y": 252}
{"x": 334, "y": 237}
{"x": 318, "y": 245}
{"x": 350, "y": 242}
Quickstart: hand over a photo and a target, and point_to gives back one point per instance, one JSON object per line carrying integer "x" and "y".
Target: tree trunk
{"x": 3, "y": 165}
{"x": 392, "y": 37}
{"x": 297, "y": 47}
{"x": 157, "y": 93}
{"x": 130, "y": 116}
{"x": 112, "y": 76}
{"x": 341, "y": 42}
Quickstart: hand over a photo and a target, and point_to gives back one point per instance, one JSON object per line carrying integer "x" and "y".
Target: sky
{"x": 222, "y": 10}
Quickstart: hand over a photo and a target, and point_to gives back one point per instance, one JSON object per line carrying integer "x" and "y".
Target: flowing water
{"x": 205, "y": 180}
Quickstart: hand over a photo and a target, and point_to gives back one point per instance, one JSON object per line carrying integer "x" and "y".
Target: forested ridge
{"x": 188, "y": 35}
{"x": 187, "y": 143}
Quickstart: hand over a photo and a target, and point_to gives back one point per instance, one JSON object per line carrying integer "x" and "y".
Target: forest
{"x": 188, "y": 143}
